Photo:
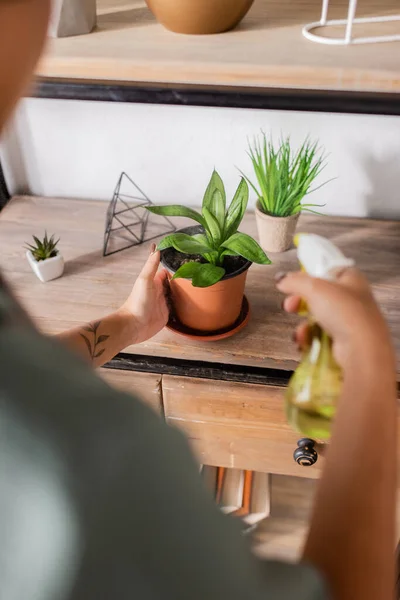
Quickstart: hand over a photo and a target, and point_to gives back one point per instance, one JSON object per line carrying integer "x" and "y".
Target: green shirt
{"x": 101, "y": 500}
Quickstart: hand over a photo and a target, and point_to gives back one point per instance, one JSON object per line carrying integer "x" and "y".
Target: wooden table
{"x": 227, "y": 395}
{"x": 266, "y": 50}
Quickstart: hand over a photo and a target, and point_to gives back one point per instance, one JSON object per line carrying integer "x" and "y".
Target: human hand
{"x": 147, "y": 302}
{"x": 347, "y": 310}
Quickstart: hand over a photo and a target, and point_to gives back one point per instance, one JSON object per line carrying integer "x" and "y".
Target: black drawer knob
{"x": 305, "y": 453}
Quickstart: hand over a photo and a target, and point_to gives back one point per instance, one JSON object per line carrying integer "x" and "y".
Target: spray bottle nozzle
{"x": 319, "y": 257}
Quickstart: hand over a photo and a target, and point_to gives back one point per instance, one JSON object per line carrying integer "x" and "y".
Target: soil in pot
{"x": 212, "y": 308}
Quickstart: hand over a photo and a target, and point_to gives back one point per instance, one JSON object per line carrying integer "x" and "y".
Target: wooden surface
{"x": 234, "y": 425}
{"x": 145, "y": 386}
{"x": 282, "y": 535}
{"x": 92, "y": 286}
{"x": 266, "y": 50}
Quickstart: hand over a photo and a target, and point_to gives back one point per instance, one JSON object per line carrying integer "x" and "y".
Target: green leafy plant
{"x": 43, "y": 249}
{"x": 285, "y": 177}
{"x": 220, "y": 236}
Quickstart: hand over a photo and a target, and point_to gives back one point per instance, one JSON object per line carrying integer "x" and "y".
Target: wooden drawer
{"x": 145, "y": 386}
{"x": 234, "y": 424}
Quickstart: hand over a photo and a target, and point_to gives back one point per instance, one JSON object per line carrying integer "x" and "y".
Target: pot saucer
{"x": 213, "y": 336}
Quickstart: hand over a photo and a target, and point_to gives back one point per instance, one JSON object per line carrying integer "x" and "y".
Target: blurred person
{"x": 99, "y": 499}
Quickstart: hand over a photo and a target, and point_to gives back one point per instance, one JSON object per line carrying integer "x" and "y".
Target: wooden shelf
{"x": 267, "y": 50}
{"x": 92, "y": 286}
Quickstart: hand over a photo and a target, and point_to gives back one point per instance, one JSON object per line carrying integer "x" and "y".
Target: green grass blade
{"x": 284, "y": 177}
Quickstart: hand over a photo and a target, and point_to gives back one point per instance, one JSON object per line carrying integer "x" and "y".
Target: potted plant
{"x": 199, "y": 16}
{"x": 209, "y": 262}
{"x": 72, "y": 17}
{"x": 45, "y": 259}
{"x": 284, "y": 178}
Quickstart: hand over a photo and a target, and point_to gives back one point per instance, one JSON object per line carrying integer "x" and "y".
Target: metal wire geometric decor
{"x": 128, "y": 223}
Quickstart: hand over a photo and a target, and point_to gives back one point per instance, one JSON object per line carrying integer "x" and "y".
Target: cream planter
{"x": 275, "y": 233}
{"x": 46, "y": 270}
{"x": 72, "y": 17}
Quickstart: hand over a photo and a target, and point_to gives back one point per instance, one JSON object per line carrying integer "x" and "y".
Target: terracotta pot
{"x": 72, "y": 17}
{"x": 212, "y": 308}
{"x": 275, "y": 233}
{"x": 199, "y": 16}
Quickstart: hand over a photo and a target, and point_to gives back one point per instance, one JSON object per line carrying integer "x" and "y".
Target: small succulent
{"x": 220, "y": 236}
{"x": 42, "y": 250}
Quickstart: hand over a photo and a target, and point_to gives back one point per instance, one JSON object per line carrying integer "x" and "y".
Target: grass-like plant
{"x": 43, "y": 249}
{"x": 220, "y": 237}
{"x": 285, "y": 177}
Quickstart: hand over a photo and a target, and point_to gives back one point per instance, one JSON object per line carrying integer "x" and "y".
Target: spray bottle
{"x": 314, "y": 388}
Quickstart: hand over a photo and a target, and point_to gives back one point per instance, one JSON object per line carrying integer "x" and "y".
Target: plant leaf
{"x": 237, "y": 208}
{"x": 166, "y": 242}
{"x": 244, "y": 245}
{"x": 212, "y": 227}
{"x": 176, "y": 210}
{"x": 210, "y": 257}
{"x": 185, "y": 243}
{"x": 99, "y": 353}
{"x": 215, "y": 198}
{"x": 207, "y": 275}
{"x": 102, "y": 338}
{"x": 189, "y": 245}
{"x": 88, "y": 344}
{"x": 187, "y": 270}
{"x": 229, "y": 253}
{"x": 201, "y": 238}
{"x": 217, "y": 208}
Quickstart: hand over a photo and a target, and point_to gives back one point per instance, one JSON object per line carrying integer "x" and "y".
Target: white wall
{"x": 78, "y": 149}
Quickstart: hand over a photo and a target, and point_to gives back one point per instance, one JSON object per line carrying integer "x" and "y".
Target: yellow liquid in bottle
{"x": 314, "y": 389}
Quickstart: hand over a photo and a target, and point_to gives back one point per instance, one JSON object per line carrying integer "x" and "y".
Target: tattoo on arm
{"x": 92, "y": 339}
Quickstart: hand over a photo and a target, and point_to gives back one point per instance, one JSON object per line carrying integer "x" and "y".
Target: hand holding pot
{"x": 147, "y": 302}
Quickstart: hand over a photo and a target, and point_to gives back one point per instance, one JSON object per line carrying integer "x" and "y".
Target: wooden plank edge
{"x": 261, "y": 98}
{"x": 200, "y": 369}
{"x": 203, "y": 370}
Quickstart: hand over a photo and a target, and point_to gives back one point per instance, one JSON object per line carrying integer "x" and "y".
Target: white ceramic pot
{"x": 275, "y": 233}
{"x": 46, "y": 270}
{"x": 72, "y": 17}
